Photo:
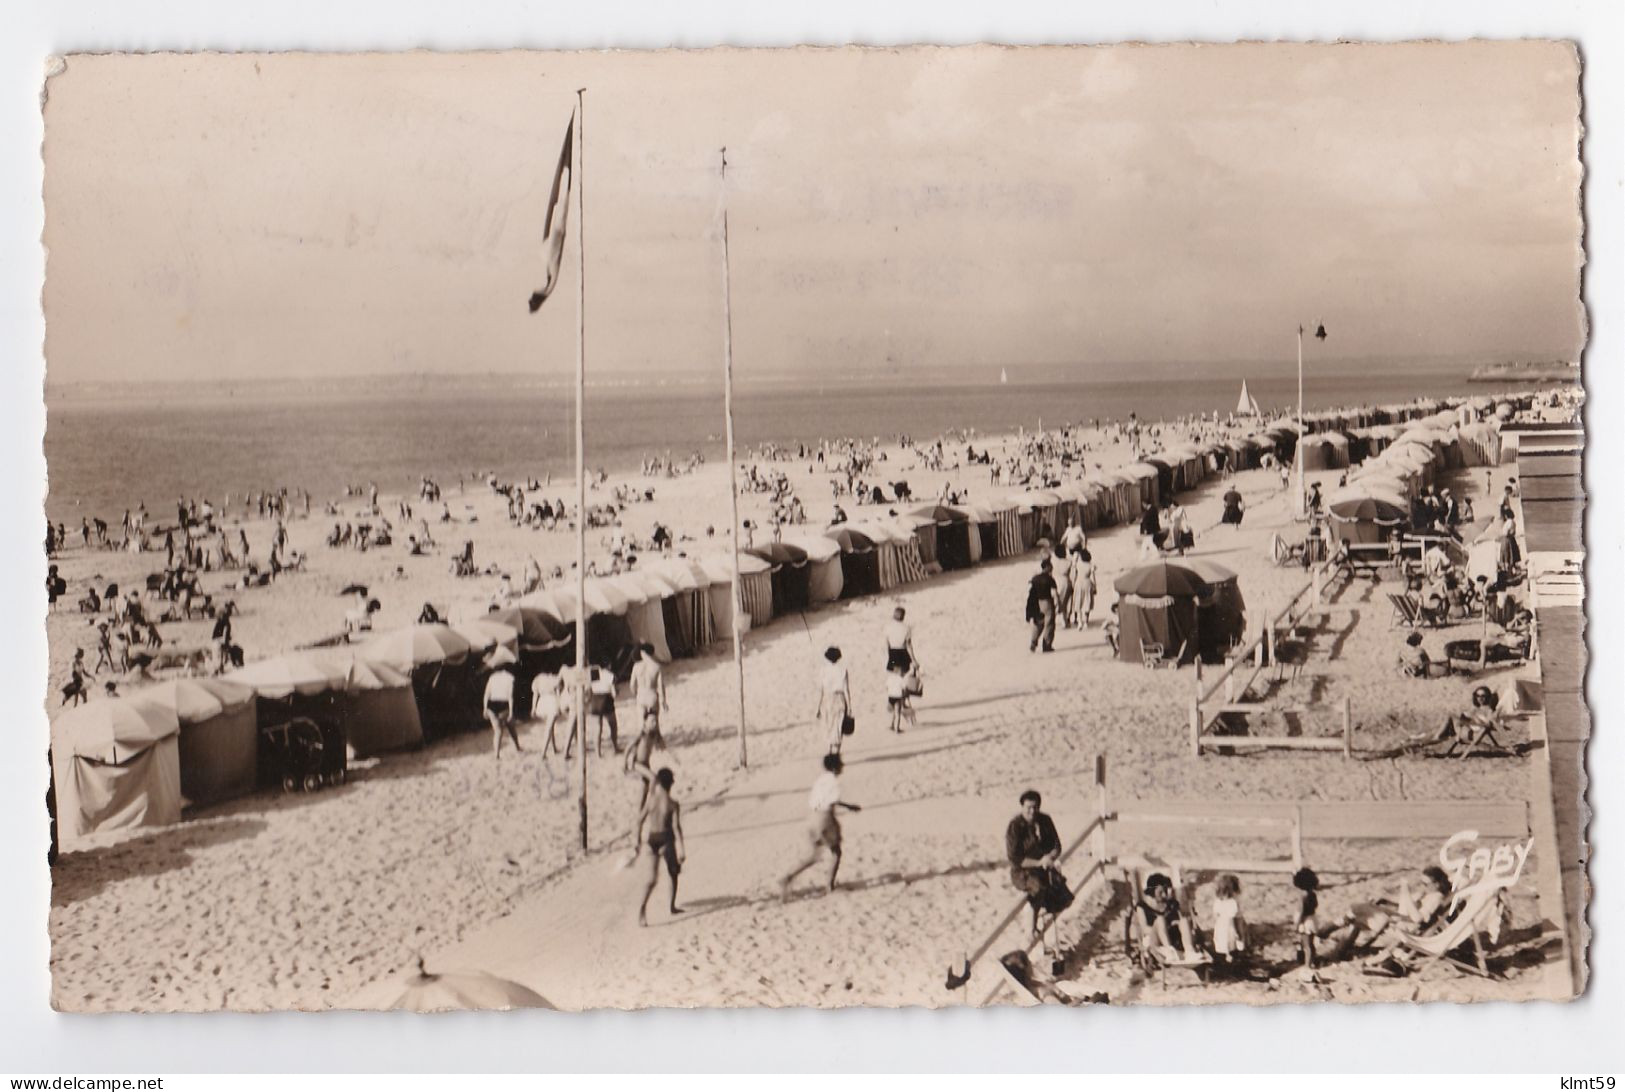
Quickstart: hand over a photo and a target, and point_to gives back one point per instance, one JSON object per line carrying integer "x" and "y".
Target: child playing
{"x": 1229, "y": 928}
{"x": 1307, "y": 927}
{"x": 896, "y": 696}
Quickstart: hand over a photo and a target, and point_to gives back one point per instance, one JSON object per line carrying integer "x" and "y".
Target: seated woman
{"x": 1468, "y": 726}
{"x": 1034, "y": 848}
{"x": 1372, "y": 925}
{"x": 1167, "y": 932}
{"x": 1414, "y": 662}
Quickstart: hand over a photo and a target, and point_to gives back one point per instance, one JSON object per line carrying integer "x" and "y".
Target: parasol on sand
{"x": 421, "y": 991}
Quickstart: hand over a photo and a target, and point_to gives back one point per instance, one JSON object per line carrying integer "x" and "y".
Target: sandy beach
{"x": 311, "y": 901}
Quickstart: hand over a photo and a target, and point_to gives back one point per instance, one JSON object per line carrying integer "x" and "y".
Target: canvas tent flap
{"x": 94, "y": 797}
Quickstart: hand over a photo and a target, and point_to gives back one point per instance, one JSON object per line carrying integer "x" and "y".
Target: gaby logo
{"x": 1482, "y": 869}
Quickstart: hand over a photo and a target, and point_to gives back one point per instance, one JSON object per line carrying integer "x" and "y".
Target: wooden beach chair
{"x": 1480, "y": 913}
{"x": 1139, "y": 941}
{"x": 1154, "y": 655}
{"x": 1404, "y": 610}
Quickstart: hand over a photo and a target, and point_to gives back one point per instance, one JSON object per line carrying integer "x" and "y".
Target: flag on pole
{"x": 558, "y": 210}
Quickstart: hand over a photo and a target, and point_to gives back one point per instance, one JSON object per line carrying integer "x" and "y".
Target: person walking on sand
{"x": 834, "y": 699}
{"x": 649, "y": 685}
{"x": 499, "y": 708}
{"x": 551, "y": 700}
{"x": 1041, "y": 608}
{"x": 661, "y": 817}
{"x": 1083, "y": 588}
{"x": 640, "y": 756}
{"x": 900, "y": 643}
{"x": 824, "y": 828}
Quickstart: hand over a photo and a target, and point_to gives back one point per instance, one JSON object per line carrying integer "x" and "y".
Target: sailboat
{"x": 1004, "y": 376}
{"x": 1246, "y": 404}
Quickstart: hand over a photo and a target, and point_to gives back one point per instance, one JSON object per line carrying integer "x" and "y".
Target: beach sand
{"x": 311, "y": 901}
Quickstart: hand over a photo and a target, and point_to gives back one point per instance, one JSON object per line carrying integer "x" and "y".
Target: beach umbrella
{"x": 1368, "y": 510}
{"x": 353, "y": 589}
{"x": 720, "y": 569}
{"x": 501, "y": 656}
{"x": 413, "y": 646}
{"x": 632, "y": 585}
{"x": 780, "y": 553}
{"x": 1159, "y": 579}
{"x": 938, "y": 513}
{"x": 113, "y": 730}
{"x": 683, "y": 573}
{"x": 422, "y": 991}
{"x": 536, "y": 627}
{"x": 850, "y": 541}
{"x": 484, "y": 634}
{"x": 196, "y": 700}
{"x": 290, "y": 673}
{"x": 818, "y": 548}
{"x": 1209, "y": 571}
{"x": 602, "y": 598}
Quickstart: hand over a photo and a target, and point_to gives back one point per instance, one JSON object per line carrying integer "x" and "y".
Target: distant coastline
{"x": 1550, "y": 372}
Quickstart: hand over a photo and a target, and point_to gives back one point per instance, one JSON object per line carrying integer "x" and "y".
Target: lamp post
{"x": 1297, "y": 452}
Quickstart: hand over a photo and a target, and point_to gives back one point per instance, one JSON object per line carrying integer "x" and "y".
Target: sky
{"x": 1124, "y": 210}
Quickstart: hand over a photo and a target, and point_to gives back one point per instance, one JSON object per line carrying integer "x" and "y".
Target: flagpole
{"x": 733, "y": 481}
{"x": 581, "y": 452}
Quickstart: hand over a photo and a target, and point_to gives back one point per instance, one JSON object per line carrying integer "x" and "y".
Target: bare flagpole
{"x": 1297, "y": 451}
{"x": 733, "y": 482}
{"x": 581, "y": 453}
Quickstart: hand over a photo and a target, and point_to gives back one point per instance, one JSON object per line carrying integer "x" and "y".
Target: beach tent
{"x": 755, "y": 594}
{"x": 560, "y": 600}
{"x": 824, "y": 579}
{"x": 1318, "y": 453}
{"x": 414, "y": 646}
{"x": 1480, "y": 444}
{"x": 1158, "y": 603}
{"x": 116, "y": 765}
{"x": 537, "y": 630}
{"x": 1365, "y": 520}
{"x": 290, "y": 673}
{"x": 981, "y": 535}
{"x": 1152, "y": 478}
{"x": 788, "y": 574}
{"x": 860, "y": 565}
{"x": 485, "y": 633}
{"x": 445, "y": 677}
{"x": 689, "y": 625}
{"x": 932, "y": 523}
{"x": 924, "y": 530}
{"x": 1222, "y": 613}
{"x": 219, "y": 739}
{"x": 1007, "y": 540}
{"x": 897, "y": 552}
{"x": 645, "y": 617}
{"x": 375, "y": 706}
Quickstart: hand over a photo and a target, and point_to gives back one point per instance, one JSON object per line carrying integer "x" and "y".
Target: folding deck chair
{"x": 1405, "y": 610}
{"x": 1479, "y": 914}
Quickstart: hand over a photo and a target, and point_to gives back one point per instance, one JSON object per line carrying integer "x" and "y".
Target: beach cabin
{"x": 219, "y": 739}
{"x": 115, "y": 764}
{"x": 1158, "y": 605}
{"x": 824, "y": 576}
{"x": 787, "y": 568}
{"x": 754, "y": 597}
{"x": 376, "y": 705}
{"x": 690, "y": 628}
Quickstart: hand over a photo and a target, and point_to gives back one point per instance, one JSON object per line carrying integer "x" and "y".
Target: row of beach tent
{"x": 138, "y": 760}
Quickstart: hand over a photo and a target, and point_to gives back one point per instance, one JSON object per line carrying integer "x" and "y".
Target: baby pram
{"x": 302, "y": 754}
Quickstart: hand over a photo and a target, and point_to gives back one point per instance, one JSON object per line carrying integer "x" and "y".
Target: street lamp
{"x": 1297, "y": 454}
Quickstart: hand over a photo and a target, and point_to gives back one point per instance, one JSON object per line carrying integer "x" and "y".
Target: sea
{"x": 115, "y": 447}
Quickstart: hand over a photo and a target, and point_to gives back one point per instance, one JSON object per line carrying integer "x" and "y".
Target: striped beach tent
{"x": 755, "y": 596}
{"x": 689, "y": 625}
{"x": 1009, "y": 524}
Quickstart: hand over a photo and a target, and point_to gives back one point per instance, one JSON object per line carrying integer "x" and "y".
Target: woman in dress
{"x": 834, "y": 698}
{"x": 1083, "y": 588}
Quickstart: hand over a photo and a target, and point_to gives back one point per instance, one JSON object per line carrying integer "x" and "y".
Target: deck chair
{"x": 1405, "y": 610}
{"x": 1139, "y": 941}
{"x": 1152, "y": 654}
{"x": 1480, "y": 914}
{"x": 1484, "y": 740}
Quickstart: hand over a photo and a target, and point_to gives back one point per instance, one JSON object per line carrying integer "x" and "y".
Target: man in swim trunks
{"x": 661, "y": 817}
{"x": 649, "y": 685}
{"x": 499, "y": 708}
